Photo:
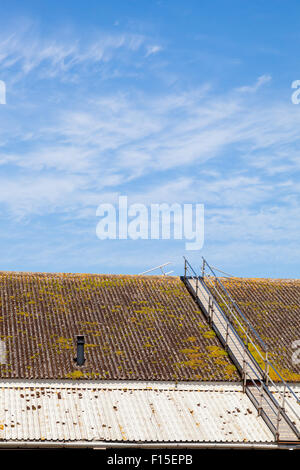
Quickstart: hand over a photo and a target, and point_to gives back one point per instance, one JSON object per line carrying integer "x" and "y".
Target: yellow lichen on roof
{"x": 135, "y": 327}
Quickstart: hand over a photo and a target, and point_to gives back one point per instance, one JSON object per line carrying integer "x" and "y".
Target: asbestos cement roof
{"x": 135, "y": 328}
{"x": 127, "y": 412}
{"x": 272, "y": 306}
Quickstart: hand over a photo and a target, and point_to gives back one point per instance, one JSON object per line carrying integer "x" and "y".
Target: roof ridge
{"x": 66, "y": 274}
{"x": 258, "y": 279}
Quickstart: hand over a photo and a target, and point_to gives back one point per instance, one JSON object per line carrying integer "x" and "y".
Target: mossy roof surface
{"x": 135, "y": 327}
{"x": 273, "y": 308}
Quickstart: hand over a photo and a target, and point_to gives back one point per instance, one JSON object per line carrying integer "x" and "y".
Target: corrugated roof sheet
{"x": 273, "y": 308}
{"x": 135, "y": 327}
{"x": 128, "y": 412}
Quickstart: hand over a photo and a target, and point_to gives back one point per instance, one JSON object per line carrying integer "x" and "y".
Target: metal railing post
{"x": 266, "y": 368}
{"x": 260, "y": 398}
{"x": 278, "y": 422}
{"x": 283, "y": 398}
{"x": 226, "y": 340}
{"x": 203, "y": 268}
{"x": 210, "y": 310}
{"x": 185, "y": 268}
{"x": 247, "y": 336}
{"x": 244, "y": 376}
{"x": 244, "y": 370}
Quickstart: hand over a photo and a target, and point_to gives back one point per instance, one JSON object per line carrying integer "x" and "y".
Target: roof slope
{"x": 273, "y": 308}
{"x": 135, "y": 327}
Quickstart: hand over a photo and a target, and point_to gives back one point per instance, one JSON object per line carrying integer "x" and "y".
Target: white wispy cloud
{"x": 153, "y": 50}
{"x": 234, "y": 153}
{"x": 28, "y": 51}
{"x": 114, "y": 141}
{"x": 253, "y": 88}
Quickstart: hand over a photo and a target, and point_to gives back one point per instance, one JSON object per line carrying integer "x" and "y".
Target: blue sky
{"x": 163, "y": 101}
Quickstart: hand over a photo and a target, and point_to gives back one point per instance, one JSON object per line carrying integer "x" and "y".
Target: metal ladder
{"x": 236, "y": 335}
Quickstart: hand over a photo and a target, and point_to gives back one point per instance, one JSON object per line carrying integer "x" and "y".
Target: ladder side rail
{"x": 253, "y": 344}
{"x": 287, "y": 403}
{"x": 253, "y": 331}
{"x": 238, "y": 321}
{"x": 279, "y": 410}
{"x": 237, "y": 307}
{"x": 223, "y": 315}
{"x": 248, "y": 338}
{"x": 224, "y": 338}
{"x": 220, "y": 314}
{"x": 227, "y": 320}
{"x": 275, "y": 402}
{"x": 190, "y": 267}
{"x": 282, "y": 394}
{"x": 283, "y": 382}
{"x": 234, "y": 304}
{"x": 209, "y": 294}
{"x": 263, "y": 414}
{"x": 259, "y": 388}
{"x": 216, "y": 304}
{"x": 230, "y": 334}
{"x": 277, "y": 373}
{"x": 272, "y": 403}
{"x": 287, "y": 417}
{"x": 234, "y": 337}
{"x": 273, "y": 399}
{"x": 238, "y": 341}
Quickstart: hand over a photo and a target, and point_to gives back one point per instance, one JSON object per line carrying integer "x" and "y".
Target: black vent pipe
{"x": 80, "y": 351}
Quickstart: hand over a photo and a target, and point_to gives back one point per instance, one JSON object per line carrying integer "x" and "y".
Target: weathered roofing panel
{"x": 135, "y": 327}
{"x": 99, "y": 412}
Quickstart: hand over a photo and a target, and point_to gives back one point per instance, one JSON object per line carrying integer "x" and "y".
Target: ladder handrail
{"x": 256, "y": 334}
{"x": 186, "y": 262}
{"x": 227, "y": 321}
{"x": 263, "y": 344}
{"x": 275, "y": 401}
{"x": 264, "y": 387}
{"x": 237, "y": 339}
{"x": 242, "y": 327}
{"x": 266, "y": 374}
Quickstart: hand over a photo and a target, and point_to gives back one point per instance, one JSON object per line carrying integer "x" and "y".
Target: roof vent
{"x": 80, "y": 351}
